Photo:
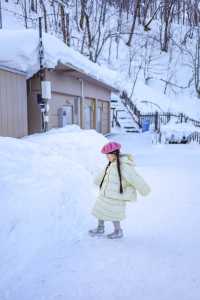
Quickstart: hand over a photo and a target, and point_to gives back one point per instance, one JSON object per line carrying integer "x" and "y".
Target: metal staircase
{"x": 122, "y": 117}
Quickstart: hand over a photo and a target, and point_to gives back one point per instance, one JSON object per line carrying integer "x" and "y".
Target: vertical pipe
{"x": 82, "y": 104}
{"x": 1, "y": 22}
{"x": 44, "y": 104}
{"x": 95, "y": 113}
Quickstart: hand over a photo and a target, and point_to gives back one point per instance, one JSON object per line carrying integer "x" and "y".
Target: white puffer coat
{"x": 110, "y": 205}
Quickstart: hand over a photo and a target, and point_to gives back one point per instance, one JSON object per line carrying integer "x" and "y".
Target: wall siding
{"x": 57, "y": 101}
{"x": 13, "y": 104}
{"x": 64, "y": 83}
{"x": 105, "y": 115}
{"x": 65, "y": 89}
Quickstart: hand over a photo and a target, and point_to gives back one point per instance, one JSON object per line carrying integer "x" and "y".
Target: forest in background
{"x": 147, "y": 29}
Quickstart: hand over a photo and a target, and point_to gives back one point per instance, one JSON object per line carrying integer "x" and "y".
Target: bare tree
{"x": 146, "y": 24}
{"x": 166, "y": 21}
{"x": 196, "y": 62}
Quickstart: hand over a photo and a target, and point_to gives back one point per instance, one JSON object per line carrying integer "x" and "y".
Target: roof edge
{"x": 12, "y": 70}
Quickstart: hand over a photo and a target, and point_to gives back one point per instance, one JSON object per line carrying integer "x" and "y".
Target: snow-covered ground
{"x": 46, "y": 196}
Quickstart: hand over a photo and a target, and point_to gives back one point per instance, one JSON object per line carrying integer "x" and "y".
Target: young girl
{"x": 118, "y": 185}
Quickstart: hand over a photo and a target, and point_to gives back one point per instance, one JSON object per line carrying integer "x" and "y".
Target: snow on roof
{"x": 20, "y": 51}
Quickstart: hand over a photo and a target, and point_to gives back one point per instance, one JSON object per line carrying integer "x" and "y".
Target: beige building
{"x": 77, "y": 98}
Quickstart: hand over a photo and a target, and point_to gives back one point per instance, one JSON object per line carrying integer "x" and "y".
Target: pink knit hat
{"x": 110, "y": 147}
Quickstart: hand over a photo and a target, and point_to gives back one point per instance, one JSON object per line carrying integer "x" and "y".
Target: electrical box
{"x": 46, "y": 89}
{"x": 65, "y": 115}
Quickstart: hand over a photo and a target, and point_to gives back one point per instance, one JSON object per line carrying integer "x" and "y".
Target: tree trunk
{"x": 45, "y": 15}
{"x": 25, "y": 14}
{"x": 63, "y": 25}
{"x": 137, "y": 4}
{"x": 68, "y": 31}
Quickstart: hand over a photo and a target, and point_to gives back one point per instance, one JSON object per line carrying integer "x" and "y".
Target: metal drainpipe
{"x": 82, "y": 104}
{"x": 44, "y": 104}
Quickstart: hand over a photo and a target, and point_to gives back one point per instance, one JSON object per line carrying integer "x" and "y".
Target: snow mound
{"x": 46, "y": 184}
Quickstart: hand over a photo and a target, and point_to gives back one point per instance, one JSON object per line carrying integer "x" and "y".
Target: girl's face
{"x": 111, "y": 157}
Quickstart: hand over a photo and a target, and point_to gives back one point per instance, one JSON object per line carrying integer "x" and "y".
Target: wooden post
{"x": 109, "y": 117}
{"x": 82, "y": 105}
{"x": 95, "y": 113}
{"x": 139, "y": 119}
{"x": 181, "y": 118}
{"x": 156, "y": 122}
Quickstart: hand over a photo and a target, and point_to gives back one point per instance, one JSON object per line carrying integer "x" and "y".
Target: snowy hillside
{"x": 154, "y": 78}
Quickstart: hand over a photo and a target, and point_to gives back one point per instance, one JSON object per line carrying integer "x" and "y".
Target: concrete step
{"x": 120, "y": 110}
{"x": 133, "y": 131}
{"x": 127, "y": 122}
{"x": 122, "y": 118}
{"x": 117, "y": 107}
{"x": 129, "y": 127}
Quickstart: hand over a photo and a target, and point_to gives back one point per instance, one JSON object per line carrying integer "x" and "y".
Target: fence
{"x": 157, "y": 119}
{"x": 194, "y": 137}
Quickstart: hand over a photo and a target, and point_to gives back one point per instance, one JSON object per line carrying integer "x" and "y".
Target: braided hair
{"x": 119, "y": 171}
{"x": 104, "y": 174}
{"x": 117, "y": 153}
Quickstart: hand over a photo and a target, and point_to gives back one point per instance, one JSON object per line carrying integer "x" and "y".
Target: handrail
{"x": 138, "y": 116}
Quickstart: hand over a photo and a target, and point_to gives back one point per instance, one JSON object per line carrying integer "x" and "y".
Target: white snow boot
{"x": 116, "y": 234}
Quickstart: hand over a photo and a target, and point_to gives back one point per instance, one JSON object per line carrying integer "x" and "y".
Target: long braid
{"x": 119, "y": 172}
{"x": 104, "y": 174}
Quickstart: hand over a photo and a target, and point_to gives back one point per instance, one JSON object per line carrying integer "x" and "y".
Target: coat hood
{"x": 127, "y": 159}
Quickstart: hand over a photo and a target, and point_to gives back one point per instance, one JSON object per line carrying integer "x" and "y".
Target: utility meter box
{"x": 46, "y": 89}
{"x": 65, "y": 115}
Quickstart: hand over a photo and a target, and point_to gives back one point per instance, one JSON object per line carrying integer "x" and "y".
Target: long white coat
{"x": 110, "y": 205}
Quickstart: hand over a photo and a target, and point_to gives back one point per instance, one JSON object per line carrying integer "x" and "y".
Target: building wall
{"x": 104, "y": 108}
{"x": 56, "y": 103}
{"x": 34, "y": 114}
{"x": 68, "y": 84}
{"x": 13, "y": 104}
{"x": 66, "y": 94}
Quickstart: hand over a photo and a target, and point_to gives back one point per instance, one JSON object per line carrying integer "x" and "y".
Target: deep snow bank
{"x": 177, "y": 131}
{"x": 46, "y": 188}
